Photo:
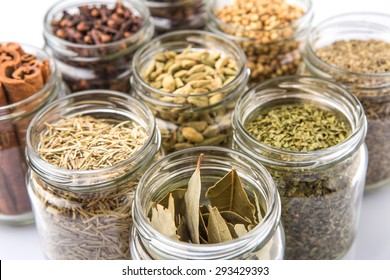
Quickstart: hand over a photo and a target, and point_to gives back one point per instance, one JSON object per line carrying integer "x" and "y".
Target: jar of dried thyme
{"x": 271, "y": 33}
{"x": 191, "y": 81}
{"x": 171, "y": 15}
{"x": 354, "y": 51}
{"x": 93, "y": 41}
{"x": 86, "y": 154}
{"x": 28, "y": 81}
{"x": 309, "y": 133}
{"x": 207, "y": 203}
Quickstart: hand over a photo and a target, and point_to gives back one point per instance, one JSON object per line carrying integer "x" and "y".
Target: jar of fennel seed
{"x": 86, "y": 154}
{"x": 93, "y": 41}
{"x": 170, "y": 15}
{"x": 271, "y": 33}
{"x": 309, "y": 134}
{"x": 191, "y": 81}
{"x": 354, "y": 51}
{"x": 172, "y": 173}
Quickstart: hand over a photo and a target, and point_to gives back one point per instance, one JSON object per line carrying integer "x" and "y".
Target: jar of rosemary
{"x": 207, "y": 203}
{"x": 271, "y": 33}
{"x": 309, "y": 133}
{"x": 191, "y": 81}
{"x": 86, "y": 153}
{"x": 354, "y": 51}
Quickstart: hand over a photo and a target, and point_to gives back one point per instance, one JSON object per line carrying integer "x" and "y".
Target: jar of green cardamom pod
{"x": 354, "y": 51}
{"x": 191, "y": 81}
{"x": 262, "y": 240}
{"x": 309, "y": 133}
{"x": 86, "y": 154}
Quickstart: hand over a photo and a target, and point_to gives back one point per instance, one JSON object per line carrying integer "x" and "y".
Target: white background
{"x": 22, "y": 21}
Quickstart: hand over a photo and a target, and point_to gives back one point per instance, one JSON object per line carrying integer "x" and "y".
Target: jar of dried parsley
{"x": 271, "y": 33}
{"x": 171, "y": 15}
{"x": 191, "y": 81}
{"x": 28, "y": 81}
{"x": 309, "y": 133}
{"x": 93, "y": 41}
{"x": 354, "y": 51}
{"x": 87, "y": 153}
{"x": 207, "y": 203}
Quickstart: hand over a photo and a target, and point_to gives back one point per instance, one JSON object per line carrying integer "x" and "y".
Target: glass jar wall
{"x": 373, "y": 89}
{"x": 208, "y": 113}
{"x": 86, "y": 214}
{"x": 265, "y": 241}
{"x": 100, "y": 65}
{"x": 15, "y": 207}
{"x": 321, "y": 190}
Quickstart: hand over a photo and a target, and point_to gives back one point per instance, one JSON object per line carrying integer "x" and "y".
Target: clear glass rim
{"x": 272, "y": 215}
{"x": 242, "y": 72}
{"x": 169, "y": 4}
{"x": 328, "y": 23}
{"x": 360, "y": 125}
{"x": 308, "y": 13}
{"x": 46, "y": 88}
{"x": 36, "y": 160}
{"x": 133, "y": 4}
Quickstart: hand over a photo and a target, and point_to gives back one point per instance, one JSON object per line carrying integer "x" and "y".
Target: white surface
{"x": 22, "y": 21}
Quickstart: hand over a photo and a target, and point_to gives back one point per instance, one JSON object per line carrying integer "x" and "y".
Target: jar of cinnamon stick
{"x": 28, "y": 81}
{"x": 93, "y": 41}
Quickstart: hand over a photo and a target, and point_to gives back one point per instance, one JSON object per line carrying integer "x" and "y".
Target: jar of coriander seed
{"x": 93, "y": 41}
{"x": 271, "y": 33}
{"x": 236, "y": 200}
{"x": 86, "y": 154}
{"x": 353, "y": 50}
{"x": 309, "y": 134}
{"x": 191, "y": 81}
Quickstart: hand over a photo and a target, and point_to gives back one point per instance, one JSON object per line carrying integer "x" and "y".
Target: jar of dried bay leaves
{"x": 191, "y": 80}
{"x": 309, "y": 133}
{"x": 354, "y": 51}
{"x": 207, "y": 203}
{"x": 86, "y": 154}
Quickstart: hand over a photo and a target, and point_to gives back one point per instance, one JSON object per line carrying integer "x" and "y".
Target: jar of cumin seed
{"x": 82, "y": 210}
{"x": 192, "y": 115}
{"x": 96, "y": 61}
{"x": 320, "y": 185}
{"x": 333, "y": 53}
{"x": 264, "y": 242}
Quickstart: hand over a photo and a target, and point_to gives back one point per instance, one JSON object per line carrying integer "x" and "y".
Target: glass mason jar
{"x": 104, "y": 66}
{"x": 265, "y": 241}
{"x": 87, "y": 214}
{"x": 373, "y": 90}
{"x": 321, "y": 191}
{"x": 15, "y": 207}
{"x": 175, "y": 111}
{"x": 170, "y": 15}
{"x": 270, "y": 53}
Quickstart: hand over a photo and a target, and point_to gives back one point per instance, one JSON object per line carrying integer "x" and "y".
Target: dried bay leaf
{"x": 163, "y": 221}
{"x": 258, "y": 216}
{"x": 240, "y": 230}
{"x": 232, "y": 231}
{"x": 203, "y": 233}
{"x": 191, "y": 198}
{"x": 178, "y": 197}
{"x": 182, "y": 230}
{"x": 217, "y": 228}
{"x": 228, "y": 195}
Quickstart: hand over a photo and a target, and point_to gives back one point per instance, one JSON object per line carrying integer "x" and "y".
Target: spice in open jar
{"x": 28, "y": 81}
{"x": 170, "y": 15}
{"x": 85, "y": 167}
{"x": 271, "y": 33}
{"x": 309, "y": 134}
{"x": 191, "y": 82}
{"x": 363, "y": 66}
{"x": 93, "y": 42}
{"x": 239, "y": 216}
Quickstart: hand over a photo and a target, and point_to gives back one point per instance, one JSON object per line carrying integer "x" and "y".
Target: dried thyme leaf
{"x": 191, "y": 199}
{"x": 163, "y": 221}
{"x": 229, "y": 195}
{"x": 217, "y": 227}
